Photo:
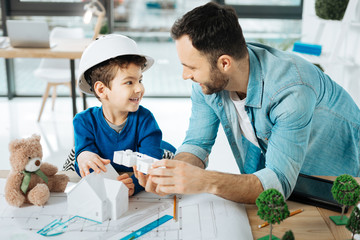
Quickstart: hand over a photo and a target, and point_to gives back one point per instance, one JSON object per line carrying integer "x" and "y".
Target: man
{"x": 281, "y": 114}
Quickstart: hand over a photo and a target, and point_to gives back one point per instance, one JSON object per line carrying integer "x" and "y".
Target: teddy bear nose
{"x": 37, "y": 163}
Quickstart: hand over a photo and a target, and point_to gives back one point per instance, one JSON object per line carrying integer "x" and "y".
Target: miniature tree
{"x": 272, "y": 208}
{"x": 288, "y": 236}
{"x": 353, "y": 223}
{"x": 345, "y": 191}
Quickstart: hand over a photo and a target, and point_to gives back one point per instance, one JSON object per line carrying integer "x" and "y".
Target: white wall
{"x": 347, "y": 76}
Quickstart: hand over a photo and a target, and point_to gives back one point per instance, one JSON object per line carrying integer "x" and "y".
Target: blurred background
{"x": 278, "y": 23}
{"x": 148, "y": 23}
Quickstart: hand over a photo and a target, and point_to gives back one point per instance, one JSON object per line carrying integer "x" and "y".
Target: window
{"x": 272, "y": 22}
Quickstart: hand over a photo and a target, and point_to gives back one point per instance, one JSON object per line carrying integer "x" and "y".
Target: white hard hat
{"x": 105, "y": 48}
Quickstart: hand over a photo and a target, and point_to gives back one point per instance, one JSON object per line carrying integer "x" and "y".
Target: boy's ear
{"x": 100, "y": 89}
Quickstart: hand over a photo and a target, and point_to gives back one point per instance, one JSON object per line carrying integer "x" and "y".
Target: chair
{"x": 56, "y": 71}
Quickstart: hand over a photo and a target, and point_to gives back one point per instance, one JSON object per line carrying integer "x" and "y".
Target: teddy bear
{"x": 31, "y": 180}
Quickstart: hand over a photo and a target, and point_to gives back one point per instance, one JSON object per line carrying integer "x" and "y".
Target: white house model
{"x": 99, "y": 196}
{"x": 129, "y": 158}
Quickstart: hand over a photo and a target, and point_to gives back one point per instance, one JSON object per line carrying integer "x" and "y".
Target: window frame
{"x": 267, "y": 11}
{"x": 18, "y": 8}
{"x": 12, "y": 8}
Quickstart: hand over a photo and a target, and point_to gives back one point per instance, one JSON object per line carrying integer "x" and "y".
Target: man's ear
{"x": 224, "y": 63}
{"x": 100, "y": 89}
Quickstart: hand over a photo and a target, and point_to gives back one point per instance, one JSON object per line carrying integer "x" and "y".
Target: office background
{"x": 278, "y": 23}
{"x": 148, "y": 22}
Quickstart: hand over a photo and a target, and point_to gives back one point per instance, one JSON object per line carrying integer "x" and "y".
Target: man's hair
{"x": 106, "y": 71}
{"x": 214, "y": 31}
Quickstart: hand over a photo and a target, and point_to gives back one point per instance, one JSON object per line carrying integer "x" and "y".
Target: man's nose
{"x": 186, "y": 74}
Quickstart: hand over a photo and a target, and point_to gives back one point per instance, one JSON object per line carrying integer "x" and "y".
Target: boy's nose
{"x": 139, "y": 88}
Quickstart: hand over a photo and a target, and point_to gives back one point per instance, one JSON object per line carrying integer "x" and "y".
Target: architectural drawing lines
{"x": 201, "y": 216}
{"x": 213, "y": 216}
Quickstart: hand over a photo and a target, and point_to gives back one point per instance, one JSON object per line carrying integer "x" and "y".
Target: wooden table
{"x": 65, "y": 48}
{"x": 312, "y": 223}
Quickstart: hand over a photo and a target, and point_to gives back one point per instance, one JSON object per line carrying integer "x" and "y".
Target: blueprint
{"x": 201, "y": 216}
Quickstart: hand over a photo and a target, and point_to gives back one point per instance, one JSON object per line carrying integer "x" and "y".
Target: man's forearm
{"x": 190, "y": 158}
{"x": 244, "y": 188}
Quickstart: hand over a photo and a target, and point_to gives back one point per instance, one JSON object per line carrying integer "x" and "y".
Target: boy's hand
{"x": 127, "y": 180}
{"x": 87, "y": 160}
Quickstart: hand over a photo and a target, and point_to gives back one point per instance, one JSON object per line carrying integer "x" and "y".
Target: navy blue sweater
{"x": 141, "y": 133}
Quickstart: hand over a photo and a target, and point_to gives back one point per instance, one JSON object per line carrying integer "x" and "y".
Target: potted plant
{"x": 331, "y": 9}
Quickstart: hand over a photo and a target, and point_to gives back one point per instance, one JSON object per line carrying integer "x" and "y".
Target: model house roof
{"x": 99, "y": 196}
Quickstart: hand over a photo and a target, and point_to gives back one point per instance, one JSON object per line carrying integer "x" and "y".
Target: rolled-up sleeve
{"x": 269, "y": 180}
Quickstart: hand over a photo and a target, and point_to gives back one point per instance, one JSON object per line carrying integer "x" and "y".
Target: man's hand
{"x": 127, "y": 180}
{"x": 87, "y": 160}
{"x": 146, "y": 182}
{"x": 173, "y": 176}
{"x": 184, "y": 178}
{"x": 186, "y": 175}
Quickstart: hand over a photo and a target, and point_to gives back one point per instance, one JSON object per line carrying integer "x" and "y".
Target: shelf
{"x": 355, "y": 23}
{"x": 324, "y": 58}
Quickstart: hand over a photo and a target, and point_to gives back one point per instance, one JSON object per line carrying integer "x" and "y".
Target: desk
{"x": 65, "y": 48}
{"x": 313, "y": 223}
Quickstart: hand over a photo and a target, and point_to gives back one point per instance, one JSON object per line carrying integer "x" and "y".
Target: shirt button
{"x": 220, "y": 104}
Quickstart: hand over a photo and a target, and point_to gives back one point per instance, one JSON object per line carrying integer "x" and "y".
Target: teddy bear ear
{"x": 15, "y": 144}
{"x": 36, "y": 137}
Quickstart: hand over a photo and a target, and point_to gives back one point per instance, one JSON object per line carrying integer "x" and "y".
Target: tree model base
{"x": 338, "y": 221}
{"x": 267, "y": 237}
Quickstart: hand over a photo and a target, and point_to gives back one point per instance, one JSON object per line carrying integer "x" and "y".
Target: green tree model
{"x": 345, "y": 191}
{"x": 353, "y": 223}
{"x": 272, "y": 208}
{"x": 288, "y": 236}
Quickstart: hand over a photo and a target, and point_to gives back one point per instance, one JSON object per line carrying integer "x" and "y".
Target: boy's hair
{"x": 106, "y": 71}
{"x": 214, "y": 31}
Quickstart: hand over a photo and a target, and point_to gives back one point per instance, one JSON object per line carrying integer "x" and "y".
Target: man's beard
{"x": 218, "y": 82}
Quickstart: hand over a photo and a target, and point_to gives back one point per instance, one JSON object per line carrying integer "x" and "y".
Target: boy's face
{"x": 126, "y": 90}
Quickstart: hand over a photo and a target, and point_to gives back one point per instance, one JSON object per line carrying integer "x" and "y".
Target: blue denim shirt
{"x": 304, "y": 122}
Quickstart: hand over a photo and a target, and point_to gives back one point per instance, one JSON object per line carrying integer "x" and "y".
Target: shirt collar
{"x": 256, "y": 80}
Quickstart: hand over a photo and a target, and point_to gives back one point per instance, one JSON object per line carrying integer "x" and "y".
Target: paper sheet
{"x": 202, "y": 216}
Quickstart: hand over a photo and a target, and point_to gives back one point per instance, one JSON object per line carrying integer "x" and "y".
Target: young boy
{"x": 111, "y": 68}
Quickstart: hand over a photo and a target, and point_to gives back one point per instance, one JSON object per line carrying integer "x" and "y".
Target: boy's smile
{"x": 135, "y": 100}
